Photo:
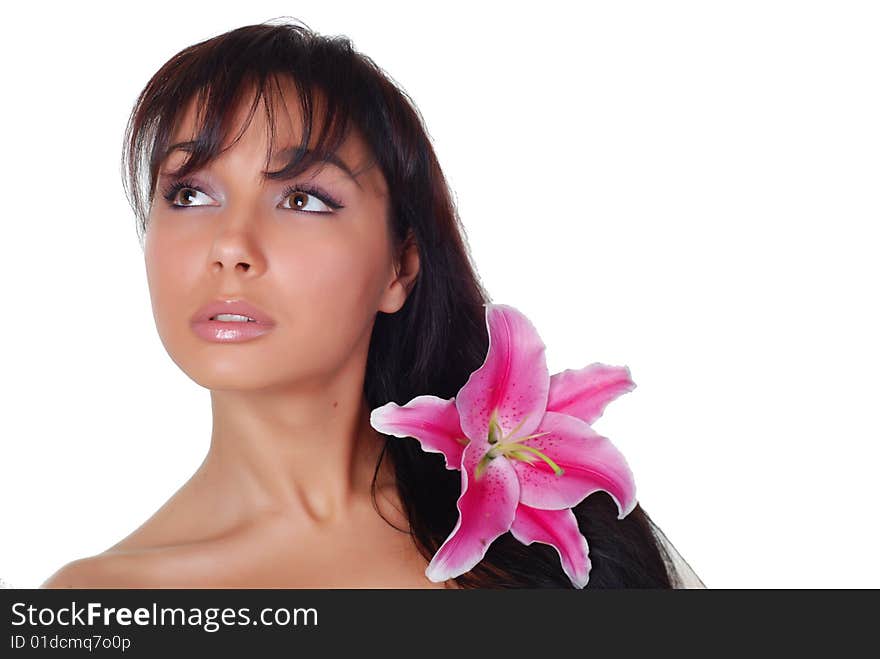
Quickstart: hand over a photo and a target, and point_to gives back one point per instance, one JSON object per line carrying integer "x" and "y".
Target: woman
{"x": 306, "y": 265}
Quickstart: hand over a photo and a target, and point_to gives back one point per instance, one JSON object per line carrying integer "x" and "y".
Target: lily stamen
{"x": 522, "y": 439}
{"x": 522, "y": 447}
{"x": 514, "y": 449}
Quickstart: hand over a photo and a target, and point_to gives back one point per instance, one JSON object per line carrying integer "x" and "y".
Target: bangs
{"x": 215, "y": 108}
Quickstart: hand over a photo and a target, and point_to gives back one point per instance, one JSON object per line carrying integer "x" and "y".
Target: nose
{"x": 235, "y": 250}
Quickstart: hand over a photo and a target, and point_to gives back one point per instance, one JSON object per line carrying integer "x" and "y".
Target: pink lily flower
{"x": 523, "y": 442}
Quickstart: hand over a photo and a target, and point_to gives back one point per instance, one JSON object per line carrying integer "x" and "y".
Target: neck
{"x": 310, "y": 452}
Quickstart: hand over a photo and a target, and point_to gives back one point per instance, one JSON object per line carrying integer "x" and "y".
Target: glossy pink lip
{"x": 230, "y": 332}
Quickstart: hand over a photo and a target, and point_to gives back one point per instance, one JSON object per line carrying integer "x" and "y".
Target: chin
{"x": 226, "y": 373}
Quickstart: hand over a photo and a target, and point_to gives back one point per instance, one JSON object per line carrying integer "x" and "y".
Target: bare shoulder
{"x": 109, "y": 570}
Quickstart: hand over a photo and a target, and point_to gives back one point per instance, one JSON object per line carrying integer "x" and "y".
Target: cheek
{"x": 167, "y": 262}
{"x": 337, "y": 282}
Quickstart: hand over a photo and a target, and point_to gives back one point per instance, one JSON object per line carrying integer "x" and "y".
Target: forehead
{"x": 272, "y": 127}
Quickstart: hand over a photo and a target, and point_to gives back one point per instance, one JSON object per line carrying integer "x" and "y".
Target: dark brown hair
{"x": 433, "y": 343}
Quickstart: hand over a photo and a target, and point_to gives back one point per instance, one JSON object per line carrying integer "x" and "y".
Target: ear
{"x": 406, "y": 269}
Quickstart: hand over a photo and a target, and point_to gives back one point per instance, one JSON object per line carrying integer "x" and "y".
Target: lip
{"x": 226, "y": 332}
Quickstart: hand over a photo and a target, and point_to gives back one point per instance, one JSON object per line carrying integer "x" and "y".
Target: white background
{"x": 686, "y": 188}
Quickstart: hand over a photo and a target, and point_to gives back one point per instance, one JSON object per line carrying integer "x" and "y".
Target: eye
{"x": 299, "y": 195}
{"x": 183, "y": 191}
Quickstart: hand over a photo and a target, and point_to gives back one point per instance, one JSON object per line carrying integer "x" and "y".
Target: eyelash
{"x": 170, "y": 191}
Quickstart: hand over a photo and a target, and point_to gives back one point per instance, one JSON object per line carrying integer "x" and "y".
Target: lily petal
{"x": 590, "y": 463}
{"x": 513, "y": 380}
{"x": 585, "y": 392}
{"x": 559, "y": 529}
{"x": 486, "y": 509}
{"x": 431, "y": 420}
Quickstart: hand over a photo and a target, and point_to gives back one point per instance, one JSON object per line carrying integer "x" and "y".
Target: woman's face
{"x": 321, "y": 273}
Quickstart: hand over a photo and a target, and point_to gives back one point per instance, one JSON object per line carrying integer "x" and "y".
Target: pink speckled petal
{"x": 513, "y": 379}
{"x": 431, "y": 420}
{"x": 590, "y": 463}
{"x": 559, "y": 529}
{"x": 486, "y": 508}
{"x": 585, "y": 392}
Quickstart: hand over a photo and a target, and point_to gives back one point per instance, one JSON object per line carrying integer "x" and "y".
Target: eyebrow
{"x": 287, "y": 154}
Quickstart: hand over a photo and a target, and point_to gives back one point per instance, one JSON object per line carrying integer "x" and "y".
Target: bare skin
{"x": 282, "y": 498}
